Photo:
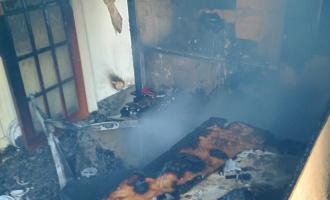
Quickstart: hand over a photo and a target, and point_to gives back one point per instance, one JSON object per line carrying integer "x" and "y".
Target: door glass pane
{"x": 56, "y": 23}
{"x": 39, "y": 29}
{"x": 70, "y": 96}
{"x": 29, "y": 75}
{"x": 64, "y": 62}
{"x": 12, "y": 5}
{"x": 41, "y": 104}
{"x": 33, "y": 2}
{"x": 20, "y": 34}
{"x": 55, "y": 103}
{"x": 47, "y": 69}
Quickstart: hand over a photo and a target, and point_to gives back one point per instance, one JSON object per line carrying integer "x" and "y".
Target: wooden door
{"x": 40, "y": 51}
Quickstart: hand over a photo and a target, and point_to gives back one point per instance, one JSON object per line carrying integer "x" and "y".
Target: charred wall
{"x": 203, "y": 37}
{"x": 190, "y": 74}
{"x": 154, "y": 18}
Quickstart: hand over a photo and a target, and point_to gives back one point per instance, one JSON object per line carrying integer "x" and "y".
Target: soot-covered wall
{"x": 177, "y": 25}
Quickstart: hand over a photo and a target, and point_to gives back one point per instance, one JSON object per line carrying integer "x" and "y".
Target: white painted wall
{"x": 102, "y": 50}
{"x": 7, "y": 109}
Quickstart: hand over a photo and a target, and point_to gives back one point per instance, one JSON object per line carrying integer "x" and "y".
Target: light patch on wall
{"x": 7, "y": 109}
{"x": 3, "y": 139}
{"x": 261, "y": 21}
{"x": 154, "y": 19}
{"x": 1, "y": 10}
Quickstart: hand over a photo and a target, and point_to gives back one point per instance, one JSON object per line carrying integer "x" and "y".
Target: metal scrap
{"x": 89, "y": 172}
{"x": 63, "y": 171}
{"x": 231, "y": 167}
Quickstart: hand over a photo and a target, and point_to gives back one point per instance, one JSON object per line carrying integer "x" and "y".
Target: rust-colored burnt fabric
{"x": 227, "y": 142}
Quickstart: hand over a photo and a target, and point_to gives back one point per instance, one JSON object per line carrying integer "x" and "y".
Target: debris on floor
{"x": 189, "y": 169}
{"x": 148, "y": 99}
{"x": 33, "y": 174}
{"x": 264, "y": 167}
{"x": 89, "y": 172}
{"x": 92, "y": 155}
{"x": 29, "y": 174}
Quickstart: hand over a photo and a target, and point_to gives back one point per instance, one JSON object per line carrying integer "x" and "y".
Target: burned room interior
{"x": 164, "y": 99}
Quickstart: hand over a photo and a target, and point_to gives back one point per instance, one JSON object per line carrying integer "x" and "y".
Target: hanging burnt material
{"x": 191, "y": 160}
{"x": 116, "y": 18}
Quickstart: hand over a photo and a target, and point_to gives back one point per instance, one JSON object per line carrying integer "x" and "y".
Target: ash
{"x": 29, "y": 171}
{"x": 34, "y": 172}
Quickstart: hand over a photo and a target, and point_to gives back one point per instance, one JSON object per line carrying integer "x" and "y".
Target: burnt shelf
{"x": 169, "y": 51}
{"x": 244, "y": 64}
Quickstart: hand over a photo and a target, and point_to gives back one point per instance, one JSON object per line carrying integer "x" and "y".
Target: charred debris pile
{"x": 32, "y": 173}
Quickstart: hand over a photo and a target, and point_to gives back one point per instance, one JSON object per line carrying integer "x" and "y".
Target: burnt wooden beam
{"x": 137, "y": 50}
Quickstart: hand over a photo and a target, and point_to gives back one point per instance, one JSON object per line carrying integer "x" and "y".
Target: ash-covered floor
{"x": 33, "y": 174}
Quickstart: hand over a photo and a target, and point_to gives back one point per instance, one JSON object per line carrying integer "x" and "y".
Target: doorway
{"x": 40, "y": 52}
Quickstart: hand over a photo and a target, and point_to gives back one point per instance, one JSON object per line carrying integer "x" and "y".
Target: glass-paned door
{"x": 41, "y": 44}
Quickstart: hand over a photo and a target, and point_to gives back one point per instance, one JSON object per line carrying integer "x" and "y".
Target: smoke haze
{"x": 289, "y": 104}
